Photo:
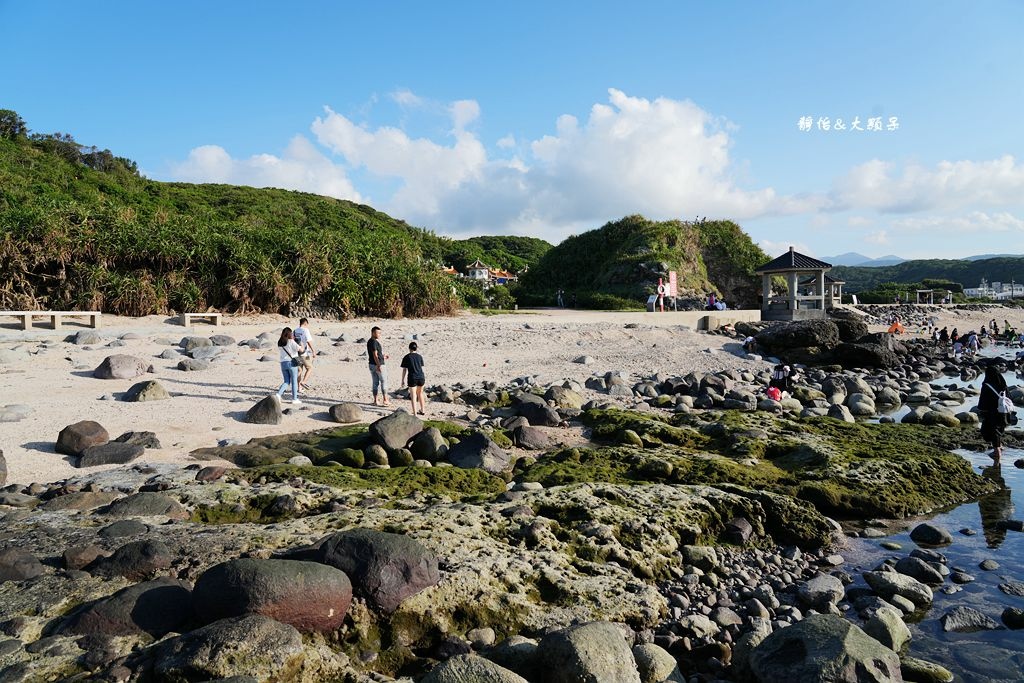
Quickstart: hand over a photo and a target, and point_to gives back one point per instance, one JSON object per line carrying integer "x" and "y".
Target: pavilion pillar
{"x": 792, "y": 285}
{"x": 766, "y": 291}
{"x": 821, "y": 289}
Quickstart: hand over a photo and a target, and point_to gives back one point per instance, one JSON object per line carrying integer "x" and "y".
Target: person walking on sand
{"x": 378, "y": 371}
{"x": 305, "y": 341}
{"x": 993, "y": 412}
{"x": 412, "y": 370}
{"x": 289, "y": 356}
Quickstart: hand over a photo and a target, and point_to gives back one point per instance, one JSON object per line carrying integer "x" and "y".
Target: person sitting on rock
{"x": 780, "y": 377}
{"x": 750, "y": 345}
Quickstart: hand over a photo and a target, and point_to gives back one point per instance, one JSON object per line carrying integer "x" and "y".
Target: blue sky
{"x": 552, "y": 118}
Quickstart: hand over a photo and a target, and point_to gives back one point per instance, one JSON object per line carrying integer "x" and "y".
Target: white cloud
{"x": 881, "y": 186}
{"x": 406, "y": 98}
{"x": 663, "y": 157}
{"x": 776, "y": 248}
{"x": 973, "y": 222}
{"x": 301, "y": 167}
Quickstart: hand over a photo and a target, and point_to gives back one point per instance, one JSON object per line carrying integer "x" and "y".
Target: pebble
{"x": 891, "y": 545}
{"x": 989, "y": 565}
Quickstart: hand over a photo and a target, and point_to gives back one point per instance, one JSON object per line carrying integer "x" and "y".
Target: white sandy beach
{"x": 56, "y": 381}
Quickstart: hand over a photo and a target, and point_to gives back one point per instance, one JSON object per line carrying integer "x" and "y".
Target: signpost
{"x": 672, "y": 290}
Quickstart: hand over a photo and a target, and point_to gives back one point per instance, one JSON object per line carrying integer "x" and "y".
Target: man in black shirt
{"x": 412, "y": 366}
{"x": 378, "y": 373}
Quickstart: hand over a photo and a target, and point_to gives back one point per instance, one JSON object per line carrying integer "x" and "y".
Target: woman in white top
{"x": 289, "y": 350}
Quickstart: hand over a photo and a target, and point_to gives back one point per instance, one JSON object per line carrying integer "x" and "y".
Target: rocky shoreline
{"x": 675, "y": 528}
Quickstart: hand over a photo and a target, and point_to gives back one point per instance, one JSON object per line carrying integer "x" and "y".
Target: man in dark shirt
{"x": 412, "y": 366}
{"x": 378, "y": 373}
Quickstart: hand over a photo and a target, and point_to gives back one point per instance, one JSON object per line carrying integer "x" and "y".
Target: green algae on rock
{"x": 845, "y": 470}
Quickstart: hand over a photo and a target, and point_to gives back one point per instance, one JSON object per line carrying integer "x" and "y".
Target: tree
{"x": 11, "y": 125}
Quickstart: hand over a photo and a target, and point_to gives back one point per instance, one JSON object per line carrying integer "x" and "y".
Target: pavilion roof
{"x": 793, "y": 260}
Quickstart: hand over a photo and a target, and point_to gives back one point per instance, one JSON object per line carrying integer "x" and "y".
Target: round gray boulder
{"x": 824, "y": 648}
{"x": 252, "y": 645}
{"x": 346, "y": 413}
{"x": 591, "y": 653}
{"x": 471, "y": 669}
{"x": 122, "y": 366}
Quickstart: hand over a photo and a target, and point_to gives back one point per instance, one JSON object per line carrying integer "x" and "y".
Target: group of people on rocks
{"x": 296, "y": 354}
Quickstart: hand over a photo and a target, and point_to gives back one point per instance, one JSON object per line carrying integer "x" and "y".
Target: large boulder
{"x": 85, "y": 338}
{"x": 146, "y": 504}
{"x": 112, "y": 453}
{"x": 821, "y": 592}
{"x": 266, "y": 412}
{"x": 252, "y": 645}
{"x": 18, "y": 565}
{"x": 963, "y": 619}
{"x": 150, "y": 390}
{"x": 886, "y": 626}
{"x": 880, "y": 350}
{"x": 850, "y": 328}
{"x": 310, "y": 596}
{"x": 122, "y": 366}
{"x": 656, "y": 665}
{"x": 824, "y": 648}
{"x": 471, "y": 669}
{"x": 384, "y": 568}
{"x": 540, "y": 414}
{"x": 564, "y": 398}
{"x": 394, "y": 431}
{"x": 928, "y": 534}
{"x": 74, "y": 439}
{"x": 803, "y": 337}
{"x": 429, "y": 445}
{"x": 190, "y": 344}
{"x": 155, "y": 607}
{"x": 135, "y": 561}
{"x": 478, "y": 451}
{"x": 346, "y": 413}
{"x": 888, "y": 584}
{"x": 530, "y": 438}
{"x": 591, "y": 653}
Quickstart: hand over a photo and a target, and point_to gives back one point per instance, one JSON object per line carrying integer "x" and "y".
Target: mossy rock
{"x": 846, "y": 470}
{"x": 401, "y": 458}
{"x": 449, "y": 482}
{"x": 349, "y": 457}
{"x": 318, "y": 446}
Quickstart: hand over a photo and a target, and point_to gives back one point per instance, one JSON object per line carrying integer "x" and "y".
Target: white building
{"x": 1000, "y": 291}
{"x": 478, "y": 271}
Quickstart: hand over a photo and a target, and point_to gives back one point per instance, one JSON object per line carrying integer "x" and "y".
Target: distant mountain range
{"x": 852, "y": 258}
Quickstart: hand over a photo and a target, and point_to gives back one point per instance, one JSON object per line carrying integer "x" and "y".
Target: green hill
{"x": 80, "y": 229}
{"x": 618, "y": 265}
{"x": 967, "y": 273}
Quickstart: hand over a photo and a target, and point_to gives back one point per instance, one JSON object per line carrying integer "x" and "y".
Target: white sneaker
{"x": 296, "y": 402}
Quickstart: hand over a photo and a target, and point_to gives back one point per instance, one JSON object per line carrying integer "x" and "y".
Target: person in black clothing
{"x": 992, "y": 421}
{"x": 412, "y": 369}
{"x": 378, "y": 372}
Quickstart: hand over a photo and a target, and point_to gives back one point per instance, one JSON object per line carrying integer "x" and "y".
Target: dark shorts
{"x": 416, "y": 382}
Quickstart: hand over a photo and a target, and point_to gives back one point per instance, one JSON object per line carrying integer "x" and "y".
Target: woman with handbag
{"x": 992, "y": 404}
{"x": 291, "y": 361}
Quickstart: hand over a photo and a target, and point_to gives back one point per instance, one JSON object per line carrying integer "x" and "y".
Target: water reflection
{"x": 995, "y": 507}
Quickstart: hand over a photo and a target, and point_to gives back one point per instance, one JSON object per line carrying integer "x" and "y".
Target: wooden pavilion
{"x": 809, "y": 291}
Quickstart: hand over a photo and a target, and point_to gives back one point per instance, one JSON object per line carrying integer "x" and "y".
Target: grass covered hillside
{"x": 967, "y": 273}
{"x": 618, "y": 265}
{"x": 80, "y": 229}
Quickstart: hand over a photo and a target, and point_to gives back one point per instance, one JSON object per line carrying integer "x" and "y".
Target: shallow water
{"x": 984, "y": 655}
